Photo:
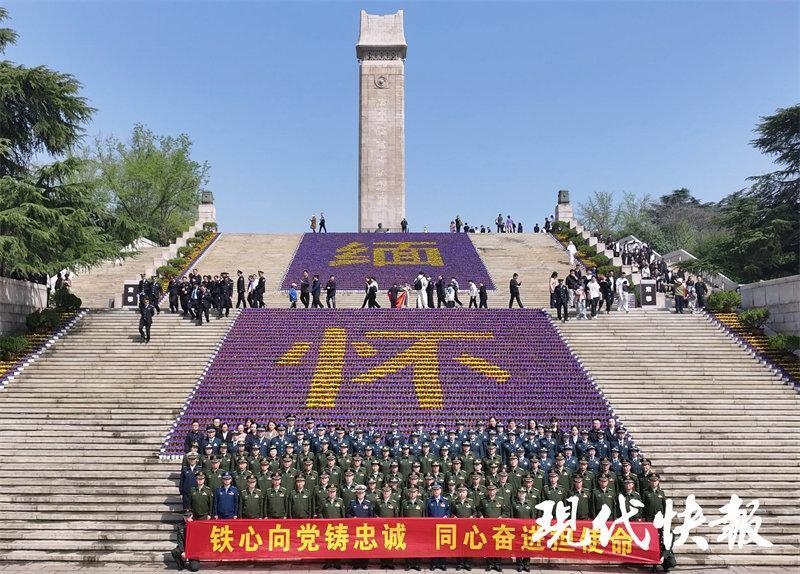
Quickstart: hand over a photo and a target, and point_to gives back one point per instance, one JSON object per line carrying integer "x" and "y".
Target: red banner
{"x": 318, "y": 539}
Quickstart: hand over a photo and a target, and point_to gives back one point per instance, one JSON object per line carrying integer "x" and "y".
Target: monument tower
{"x": 381, "y": 50}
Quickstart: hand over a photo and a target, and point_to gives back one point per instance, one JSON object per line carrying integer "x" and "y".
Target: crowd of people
{"x": 587, "y": 294}
{"x": 279, "y": 470}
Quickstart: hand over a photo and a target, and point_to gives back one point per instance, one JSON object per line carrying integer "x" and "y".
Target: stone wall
{"x": 781, "y": 297}
{"x": 17, "y": 300}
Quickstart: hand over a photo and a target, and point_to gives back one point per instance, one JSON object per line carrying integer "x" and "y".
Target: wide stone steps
{"x": 714, "y": 420}
{"x": 94, "y": 409}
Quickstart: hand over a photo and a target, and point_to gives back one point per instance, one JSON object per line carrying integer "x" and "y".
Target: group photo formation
{"x": 400, "y": 286}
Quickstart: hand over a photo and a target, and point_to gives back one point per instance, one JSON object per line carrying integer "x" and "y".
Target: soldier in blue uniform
{"x": 360, "y": 507}
{"x": 437, "y": 506}
{"x": 226, "y": 499}
{"x": 189, "y": 478}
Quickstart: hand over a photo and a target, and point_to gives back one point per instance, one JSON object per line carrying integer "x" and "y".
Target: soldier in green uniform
{"x": 273, "y": 461}
{"x": 331, "y": 507}
{"x": 254, "y": 459}
{"x": 564, "y": 474}
{"x": 445, "y": 461}
{"x": 344, "y": 460}
{"x": 522, "y": 508}
{"x": 450, "y": 493}
{"x": 225, "y": 458}
{"x": 491, "y": 456}
{"x": 426, "y": 459}
{"x": 276, "y": 499}
{"x": 476, "y": 491}
{"x": 492, "y": 507}
{"x": 311, "y": 476}
{"x": 335, "y": 473}
{"x": 305, "y": 453}
{"x": 347, "y": 489}
{"x": 494, "y": 474}
{"x": 359, "y": 472}
{"x": 588, "y": 475}
{"x": 386, "y": 460}
{"x": 505, "y": 491}
{"x": 515, "y": 473}
{"x": 462, "y": 507}
{"x": 369, "y": 457}
{"x": 457, "y": 473}
{"x": 605, "y": 468}
{"x": 241, "y": 474}
{"x": 627, "y": 475}
{"x": 412, "y": 507}
{"x": 655, "y": 501}
{"x": 322, "y": 455}
{"x": 321, "y": 492}
{"x": 436, "y": 472}
{"x": 386, "y": 507}
{"x": 532, "y": 494}
{"x": 413, "y": 482}
{"x": 405, "y": 461}
{"x": 553, "y": 491}
{"x": 214, "y": 475}
{"x": 373, "y": 494}
{"x": 288, "y": 472}
{"x": 251, "y": 500}
{"x": 604, "y": 496}
{"x": 301, "y": 501}
{"x": 394, "y": 473}
{"x": 201, "y": 498}
{"x": 629, "y": 493}
{"x": 537, "y": 474}
{"x": 583, "y": 508}
{"x": 205, "y": 458}
{"x": 397, "y": 492}
{"x": 376, "y": 474}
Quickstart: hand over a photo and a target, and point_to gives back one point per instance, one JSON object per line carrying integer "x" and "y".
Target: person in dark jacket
{"x": 440, "y": 299}
{"x": 561, "y": 299}
{"x": 240, "y": 290}
{"x": 483, "y": 297}
{"x": 179, "y": 552}
{"x": 360, "y": 507}
{"x": 513, "y": 287}
{"x": 305, "y": 290}
{"x": 316, "y": 289}
{"x": 226, "y": 499}
{"x": 330, "y": 290}
{"x": 146, "y": 312}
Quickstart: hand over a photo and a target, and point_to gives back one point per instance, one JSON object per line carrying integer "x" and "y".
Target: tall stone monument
{"x": 381, "y": 49}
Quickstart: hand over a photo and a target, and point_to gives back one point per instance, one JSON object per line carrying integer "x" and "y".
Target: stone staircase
{"x": 81, "y": 480}
{"x": 712, "y": 418}
{"x": 533, "y": 255}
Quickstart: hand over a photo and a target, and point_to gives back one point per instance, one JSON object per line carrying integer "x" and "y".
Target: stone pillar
{"x": 381, "y": 50}
{"x": 564, "y": 208}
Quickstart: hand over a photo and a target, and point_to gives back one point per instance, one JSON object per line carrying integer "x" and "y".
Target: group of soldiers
{"x": 489, "y": 471}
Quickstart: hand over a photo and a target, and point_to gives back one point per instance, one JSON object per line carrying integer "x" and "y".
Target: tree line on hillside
{"x": 750, "y": 235}
{"x": 67, "y": 206}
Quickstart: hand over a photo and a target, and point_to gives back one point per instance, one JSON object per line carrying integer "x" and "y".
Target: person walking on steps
{"x": 146, "y": 312}
{"x": 513, "y": 287}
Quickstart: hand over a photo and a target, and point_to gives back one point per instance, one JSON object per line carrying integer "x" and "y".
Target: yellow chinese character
{"x": 394, "y": 537}
{"x": 354, "y": 253}
{"x": 530, "y": 540}
{"x": 250, "y": 540}
{"x": 563, "y": 543}
{"x": 365, "y": 538}
{"x": 221, "y": 539}
{"x": 621, "y": 542}
{"x": 329, "y": 373}
{"x": 336, "y": 537}
{"x": 446, "y": 536}
{"x": 307, "y": 534}
{"x": 474, "y": 539}
{"x": 503, "y": 537}
{"x": 278, "y": 538}
{"x": 406, "y": 253}
{"x": 423, "y": 358}
{"x": 591, "y": 539}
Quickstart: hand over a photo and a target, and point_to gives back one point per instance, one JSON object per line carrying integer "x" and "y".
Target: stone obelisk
{"x": 381, "y": 50}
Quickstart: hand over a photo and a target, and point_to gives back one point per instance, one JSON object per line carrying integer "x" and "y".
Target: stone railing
{"x": 781, "y": 297}
{"x": 17, "y": 300}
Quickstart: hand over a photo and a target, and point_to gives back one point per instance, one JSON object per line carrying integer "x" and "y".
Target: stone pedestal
{"x": 381, "y": 50}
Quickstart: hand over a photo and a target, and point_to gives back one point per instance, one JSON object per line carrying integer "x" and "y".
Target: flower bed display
{"x": 786, "y": 363}
{"x": 392, "y": 365}
{"x": 192, "y": 258}
{"x": 388, "y": 257}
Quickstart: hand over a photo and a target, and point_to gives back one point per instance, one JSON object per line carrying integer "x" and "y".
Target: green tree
{"x": 599, "y": 213}
{"x": 48, "y": 219}
{"x": 151, "y": 182}
{"x": 764, "y": 220}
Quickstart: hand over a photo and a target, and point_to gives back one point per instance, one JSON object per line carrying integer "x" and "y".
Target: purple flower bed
{"x": 352, "y": 256}
{"x": 510, "y": 364}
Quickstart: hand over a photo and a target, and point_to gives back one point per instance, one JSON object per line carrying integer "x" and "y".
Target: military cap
{"x": 548, "y": 429}
{"x": 503, "y": 473}
{"x": 466, "y": 443}
{"x": 451, "y": 432}
{"x": 436, "y": 485}
{"x": 281, "y": 427}
{"x": 415, "y": 463}
{"x": 394, "y": 424}
{"x": 264, "y": 461}
{"x": 374, "y": 462}
{"x": 273, "y": 447}
{"x": 491, "y": 487}
{"x": 477, "y": 461}
{"x": 360, "y": 487}
{"x": 584, "y": 431}
{"x": 624, "y": 462}
{"x": 348, "y": 472}
{"x": 591, "y": 447}
{"x": 306, "y": 443}
{"x": 227, "y": 475}
{"x": 289, "y": 445}
{"x": 552, "y": 473}
{"x": 223, "y": 445}
{"x": 451, "y": 481}
{"x": 341, "y": 446}
{"x": 460, "y": 422}
{"x": 394, "y": 479}
{"x": 603, "y": 477}
{"x": 406, "y": 446}
{"x": 495, "y": 464}
{"x": 445, "y": 447}
{"x": 634, "y": 447}
{"x": 437, "y": 463}
{"x": 426, "y": 443}
{"x": 462, "y": 487}
{"x": 492, "y": 432}
{"x": 393, "y": 463}
{"x": 614, "y": 449}
{"x": 577, "y": 477}
{"x": 212, "y": 446}
{"x": 654, "y": 477}
{"x": 308, "y": 461}
{"x": 188, "y": 512}
{"x": 351, "y": 425}
{"x": 456, "y": 461}
{"x": 475, "y": 475}
{"x": 543, "y": 449}
{"x": 251, "y": 478}
{"x": 567, "y": 447}
{"x": 309, "y": 419}
{"x": 520, "y": 449}
{"x": 605, "y": 459}
{"x": 583, "y": 460}
{"x": 491, "y": 445}
{"x": 371, "y": 481}
{"x": 528, "y": 479}
{"x": 647, "y": 461}
{"x": 211, "y": 427}
{"x": 332, "y": 487}
{"x": 241, "y": 460}
{"x": 276, "y": 476}
{"x": 415, "y": 433}
{"x": 200, "y": 474}
{"x": 500, "y": 424}
{"x": 513, "y": 457}
{"x": 287, "y": 457}
{"x": 367, "y": 447}
{"x": 262, "y": 428}
{"x": 290, "y": 417}
{"x": 472, "y": 431}
{"x": 191, "y": 455}
{"x": 357, "y": 457}
{"x": 512, "y": 431}
{"x": 300, "y": 478}
{"x": 559, "y": 456}
{"x": 428, "y": 476}
{"x": 627, "y": 480}
{"x": 195, "y": 443}
{"x": 385, "y": 449}
{"x": 325, "y": 473}
{"x": 215, "y": 458}
{"x": 410, "y": 489}
{"x": 331, "y": 457}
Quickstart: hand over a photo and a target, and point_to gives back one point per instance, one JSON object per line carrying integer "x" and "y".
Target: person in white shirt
{"x": 572, "y": 250}
{"x": 622, "y": 293}
{"x": 449, "y": 297}
{"x": 594, "y": 295}
{"x": 420, "y": 284}
{"x": 580, "y": 301}
{"x": 473, "y": 295}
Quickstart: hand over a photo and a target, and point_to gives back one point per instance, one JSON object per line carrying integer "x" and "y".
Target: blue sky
{"x": 506, "y": 103}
